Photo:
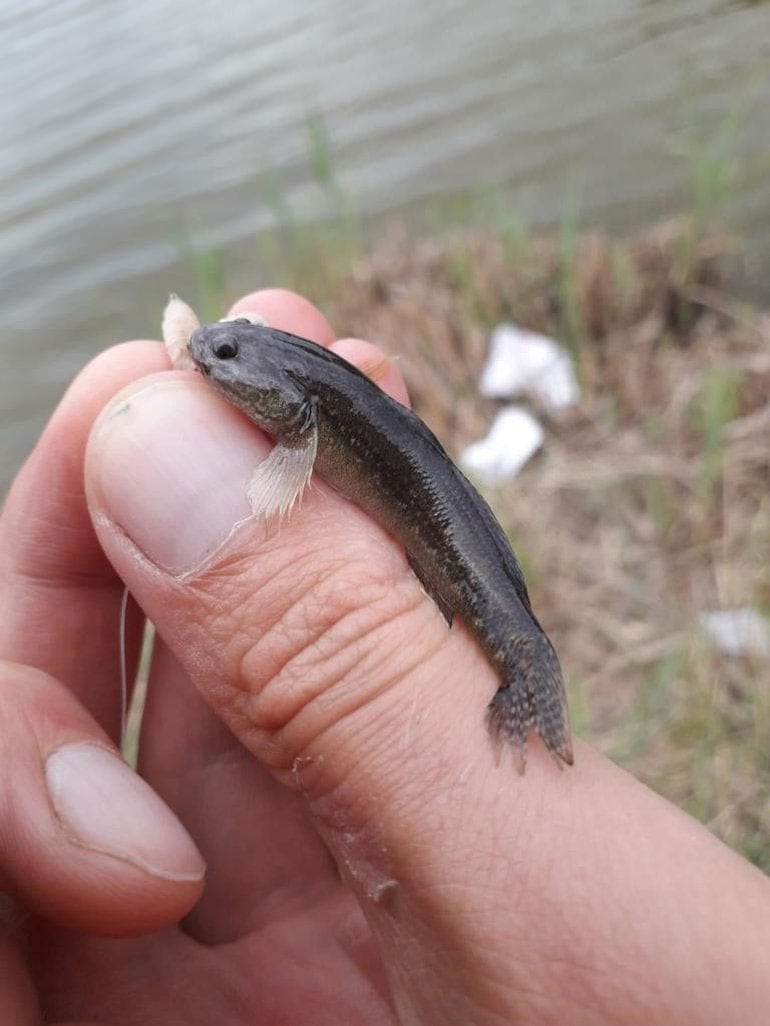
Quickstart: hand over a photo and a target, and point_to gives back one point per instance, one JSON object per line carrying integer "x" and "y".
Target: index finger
{"x": 272, "y": 304}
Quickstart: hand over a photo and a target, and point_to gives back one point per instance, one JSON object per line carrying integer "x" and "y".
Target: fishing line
{"x": 123, "y": 669}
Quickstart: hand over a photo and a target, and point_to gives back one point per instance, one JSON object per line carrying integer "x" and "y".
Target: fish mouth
{"x": 197, "y": 349}
{"x": 201, "y": 364}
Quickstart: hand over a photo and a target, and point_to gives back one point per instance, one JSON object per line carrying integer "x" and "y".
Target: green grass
{"x": 660, "y": 504}
{"x": 715, "y": 405}
{"x": 573, "y": 330}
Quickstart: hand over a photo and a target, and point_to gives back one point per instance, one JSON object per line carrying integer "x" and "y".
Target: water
{"x": 130, "y": 129}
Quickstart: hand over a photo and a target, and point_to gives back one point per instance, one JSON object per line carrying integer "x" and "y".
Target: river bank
{"x": 647, "y": 506}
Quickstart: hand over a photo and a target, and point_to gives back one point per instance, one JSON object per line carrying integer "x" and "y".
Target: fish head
{"x": 247, "y": 364}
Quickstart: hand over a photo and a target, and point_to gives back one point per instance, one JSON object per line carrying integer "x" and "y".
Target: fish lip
{"x": 197, "y": 350}
{"x": 198, "y": 341}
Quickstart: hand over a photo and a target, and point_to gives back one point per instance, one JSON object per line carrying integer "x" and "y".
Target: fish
{"x": 328, "y": 417}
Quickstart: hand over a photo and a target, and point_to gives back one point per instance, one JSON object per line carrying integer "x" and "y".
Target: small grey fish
{"x": 328, "y": 416}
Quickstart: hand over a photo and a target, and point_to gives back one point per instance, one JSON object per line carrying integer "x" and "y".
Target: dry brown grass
{"x": 650, "y": 502}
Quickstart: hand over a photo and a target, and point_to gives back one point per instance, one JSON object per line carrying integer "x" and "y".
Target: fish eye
{"x": 225, "y": 350}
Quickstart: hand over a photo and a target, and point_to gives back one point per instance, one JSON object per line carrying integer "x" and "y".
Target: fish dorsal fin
{"x": 502, "y": 544}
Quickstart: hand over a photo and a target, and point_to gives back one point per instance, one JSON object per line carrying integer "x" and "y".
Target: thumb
{"x": 295, "y": 631}
{"x": 83, "y": 840}
{"x": 314, "y": 641}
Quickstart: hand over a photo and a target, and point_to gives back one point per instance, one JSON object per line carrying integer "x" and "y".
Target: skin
{"x": 367, "y": 859}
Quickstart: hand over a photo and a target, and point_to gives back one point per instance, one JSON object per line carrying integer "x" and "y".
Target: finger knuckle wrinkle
{"x": 326, "y": 653}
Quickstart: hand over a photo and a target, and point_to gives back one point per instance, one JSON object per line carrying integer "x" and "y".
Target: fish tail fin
{"x": 531, "y": 697}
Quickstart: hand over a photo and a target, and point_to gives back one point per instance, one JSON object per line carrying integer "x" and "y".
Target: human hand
{"x": 374, "y": 863}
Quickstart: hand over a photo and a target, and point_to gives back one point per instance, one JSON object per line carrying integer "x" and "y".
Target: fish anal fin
{"x": 445, "y": 607}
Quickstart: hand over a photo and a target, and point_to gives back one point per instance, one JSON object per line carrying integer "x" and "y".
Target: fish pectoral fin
{"x": 281, "y": 478}
{"x": 444, "y": 606}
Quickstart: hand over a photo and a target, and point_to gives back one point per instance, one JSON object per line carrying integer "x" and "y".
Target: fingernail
{"x": 108, "y": 808}
{"x": 170, "y": 464}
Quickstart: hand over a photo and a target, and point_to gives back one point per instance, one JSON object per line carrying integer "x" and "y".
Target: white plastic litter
{"x": 515, "y": 436}
{"x": 738, "y": 632}
{"x": 523, "y": 361}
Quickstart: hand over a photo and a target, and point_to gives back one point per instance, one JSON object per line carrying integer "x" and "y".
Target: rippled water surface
{"x": 128, "y": 128}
